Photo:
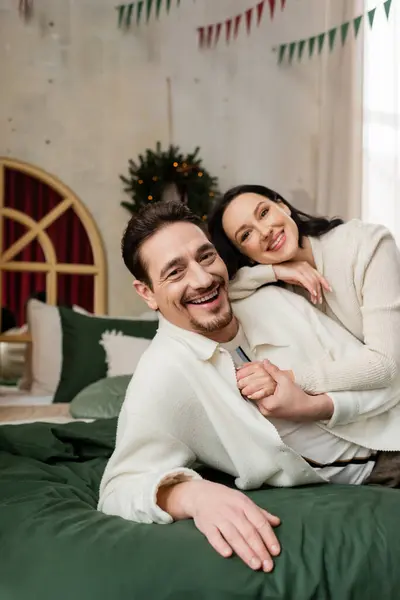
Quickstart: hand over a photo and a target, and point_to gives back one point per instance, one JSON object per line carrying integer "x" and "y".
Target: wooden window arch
{"x": 36, "y": 229}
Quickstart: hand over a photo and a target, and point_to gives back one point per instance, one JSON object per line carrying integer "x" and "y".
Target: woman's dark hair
{"x": 233, "y": 258}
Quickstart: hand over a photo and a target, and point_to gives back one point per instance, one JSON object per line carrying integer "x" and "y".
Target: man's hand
{"x": 254, "y": 382}
{"x": 290, "y": 402}
{"x": 230, "y": 521}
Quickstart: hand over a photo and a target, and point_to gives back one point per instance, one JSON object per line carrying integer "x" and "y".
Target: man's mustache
{"x": 218, "y": 282}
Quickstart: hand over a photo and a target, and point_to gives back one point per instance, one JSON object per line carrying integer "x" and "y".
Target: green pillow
{"x": 102, "y": 399}
{"x": 83, "y": 358}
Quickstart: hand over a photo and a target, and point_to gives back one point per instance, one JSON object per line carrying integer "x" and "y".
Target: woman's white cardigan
{"x": 362, "y": 264}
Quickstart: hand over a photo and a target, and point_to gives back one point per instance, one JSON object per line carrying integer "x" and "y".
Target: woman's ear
{"x": 146, "y": 294}
{"x": 285, "y": 208}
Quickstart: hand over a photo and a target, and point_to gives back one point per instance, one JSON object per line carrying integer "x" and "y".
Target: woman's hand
{"x": 302, "y": 273}
{"x": 290, "y": 402}
{"x": 254, "y": 382}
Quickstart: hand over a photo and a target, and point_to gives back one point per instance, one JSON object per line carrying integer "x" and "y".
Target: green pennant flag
{"x": 386, "y": 6}
{"x": 357, "y": 23}
{"x": 158, "y": 7}
{"x": 121, "y": 12}
{"x": 178, "y": 2}
{"x": 302, "y": 43}
{"x": 321, "y": 39}
{"x": 332, "y": 35}
{"x": 139, "y": 11}
{"x": 168, "y": 5}
{"x": 343, "y": 32}
{"x": 311, "y": 44}
{"x": 292, "y": 48}
{"x": 282, "y": 50}
{"x": 129, "y": 14}
{"x": 371, "y": 16}
{"x": 149, "y": 4}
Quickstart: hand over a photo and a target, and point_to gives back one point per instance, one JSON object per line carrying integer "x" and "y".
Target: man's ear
{"x": 146, "y": 294}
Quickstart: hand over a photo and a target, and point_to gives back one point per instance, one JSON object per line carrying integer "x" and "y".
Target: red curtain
{"x": 71, "y": 243}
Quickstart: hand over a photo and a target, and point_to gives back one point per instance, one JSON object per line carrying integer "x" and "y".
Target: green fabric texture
{"x": 102, "y": 399}
{"x": 338, "y": 542}
{"x": 84, "y": 359}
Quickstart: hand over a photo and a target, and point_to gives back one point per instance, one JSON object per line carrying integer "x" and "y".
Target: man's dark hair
{"x": 144, "y": 224}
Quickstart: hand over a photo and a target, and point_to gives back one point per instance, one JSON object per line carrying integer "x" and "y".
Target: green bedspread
{"x": 339, "y": 542}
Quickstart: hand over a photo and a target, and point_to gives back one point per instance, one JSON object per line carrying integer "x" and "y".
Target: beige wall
{"x": 80, "y": 97}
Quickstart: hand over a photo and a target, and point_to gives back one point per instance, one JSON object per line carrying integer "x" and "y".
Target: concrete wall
{"x": 79, "y": 97}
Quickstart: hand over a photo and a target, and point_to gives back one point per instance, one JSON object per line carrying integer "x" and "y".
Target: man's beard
{"x": 213, "y": 324}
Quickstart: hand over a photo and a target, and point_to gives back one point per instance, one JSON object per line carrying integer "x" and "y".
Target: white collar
{"x": 202, "y": 347}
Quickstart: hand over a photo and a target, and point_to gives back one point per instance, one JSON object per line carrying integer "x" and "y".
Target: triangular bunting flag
{"x": 386, "y": 6}
{"x": 158, "y": 7}
{"x": 217, "y": 33}
{"x": 332, "y": 35}
{"x": 356, "y": 24}
{"x": 149, "y": 4}
{"x": 201, "y": 36}
{"x": 302, "y": 43}
{"x": 139, "y": 11}
{"x": 121, "y": 12}
{"x": 311, "y": 44}
{"x": 248, "y": 15}
{"x": 292, "y": 48}
{"x": 321, "y": 39}
{"x": 129, "y": 14}
{"x": 228, "y": 29}
{"x": 343, "y": 31}
{"x": 238, "y": 18}
{"x": 271, "y": 8}
{"x": 168, "y": 5}
{"x": 210, "y": 30}
{"x": 260, "y": 10}
{"x": 283, "y": 2}
{"x": 371, "y": 16}
{"x": 282, "y": 50}
{"x": 178, "y": 2}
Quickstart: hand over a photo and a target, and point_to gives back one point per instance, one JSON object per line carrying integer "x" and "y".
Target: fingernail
{"x": 275, "y": 549}
{"x": 267, "y": 566}
{"x": 255, "y": 563}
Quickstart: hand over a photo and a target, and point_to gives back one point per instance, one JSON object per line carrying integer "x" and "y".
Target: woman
{"x": 351, "y": 270}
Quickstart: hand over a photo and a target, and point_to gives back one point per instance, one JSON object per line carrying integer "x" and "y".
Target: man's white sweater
{"x": 182, "y": 406}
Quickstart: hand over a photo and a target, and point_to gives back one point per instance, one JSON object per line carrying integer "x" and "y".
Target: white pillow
{"x": 45, "y": 328}
{"x": 123, "y": 352}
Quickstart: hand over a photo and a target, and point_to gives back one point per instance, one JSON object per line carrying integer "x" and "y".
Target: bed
{"x": 339, "y": 542}
{"x": 58, "y": 431}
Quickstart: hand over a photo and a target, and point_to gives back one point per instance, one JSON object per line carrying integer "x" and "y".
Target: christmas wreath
{"x": 161, "y": 175}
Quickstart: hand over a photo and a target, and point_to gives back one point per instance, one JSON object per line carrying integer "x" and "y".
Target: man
{"x": 183, "y": 404}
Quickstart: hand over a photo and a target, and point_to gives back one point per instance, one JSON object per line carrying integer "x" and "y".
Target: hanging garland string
{"x": 289, "y": 50}
{"x": 158, "y": 171}
{"x": 209, "y": 35}
{"x": 133, "y": 12}
{"x": 25, "y": 8}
